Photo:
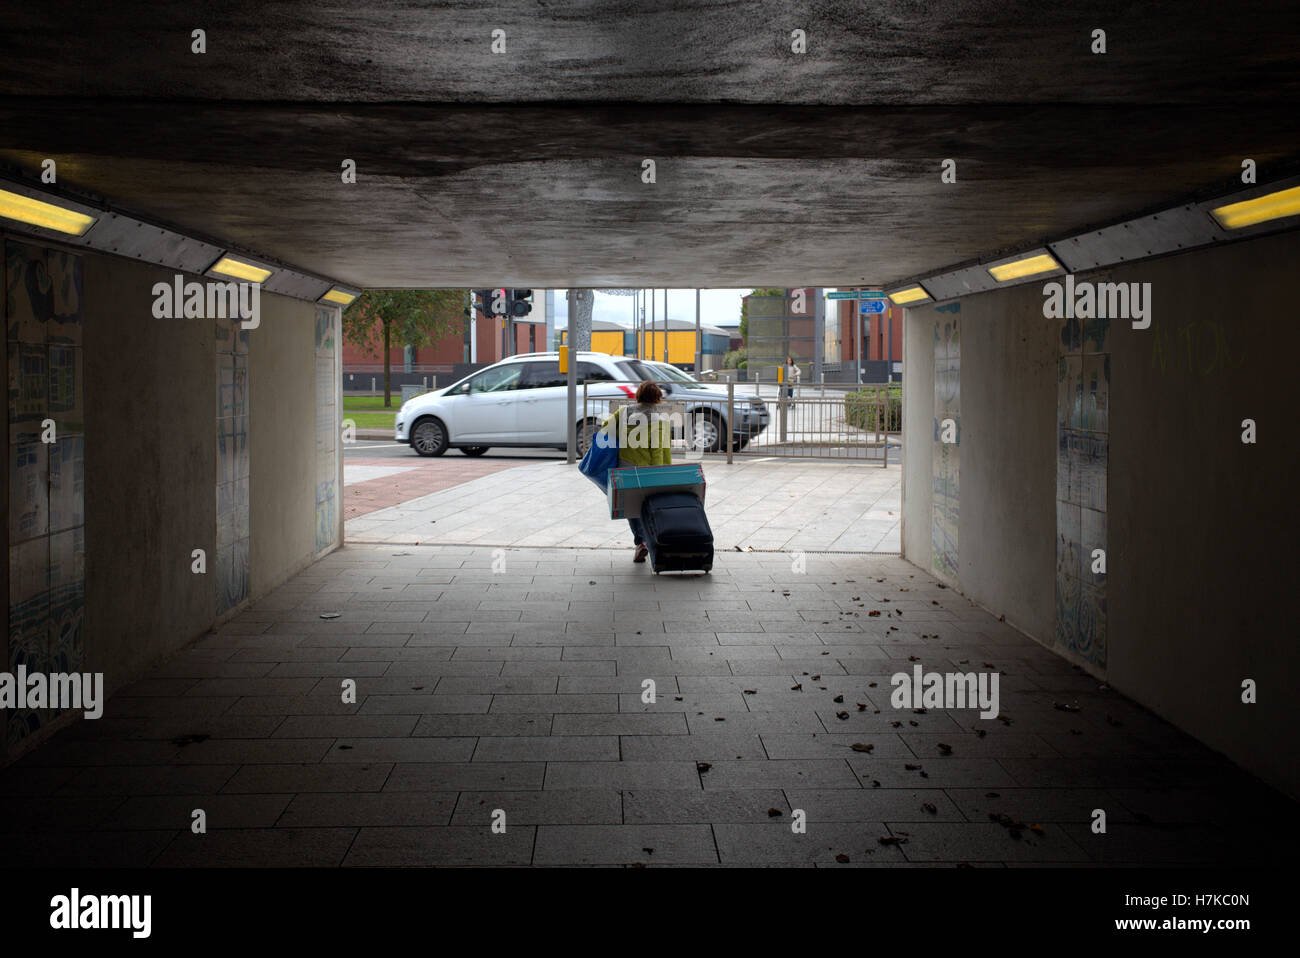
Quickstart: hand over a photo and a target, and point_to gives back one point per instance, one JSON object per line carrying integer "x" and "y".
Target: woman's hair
{"x": 789, "y": 360}
{"x": 647, "y": 394}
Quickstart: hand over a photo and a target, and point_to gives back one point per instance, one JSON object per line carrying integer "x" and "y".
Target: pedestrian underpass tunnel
{"x": 1091, "y": 252}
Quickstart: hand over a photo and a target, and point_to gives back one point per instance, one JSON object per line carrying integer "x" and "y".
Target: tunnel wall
{"x": 1199, "y": 561}
{"x": 174, "y": 460}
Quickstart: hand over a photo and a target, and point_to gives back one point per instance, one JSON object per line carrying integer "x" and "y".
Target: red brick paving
{"x": 426, "y": 476}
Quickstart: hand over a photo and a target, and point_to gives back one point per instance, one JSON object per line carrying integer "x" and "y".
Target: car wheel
{"x": 474, "y": 450}
{"x": 429, "y": 437}
{"x": 708, "y": 432}
{"x": 586, "y": 429}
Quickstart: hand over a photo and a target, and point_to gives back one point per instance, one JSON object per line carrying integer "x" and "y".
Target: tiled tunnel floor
{"x": 520, "y": 690}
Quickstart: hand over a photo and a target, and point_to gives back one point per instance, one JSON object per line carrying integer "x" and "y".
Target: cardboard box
{"x": 629, "y": 485}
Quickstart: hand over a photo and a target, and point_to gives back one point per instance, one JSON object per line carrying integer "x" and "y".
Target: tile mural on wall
{"x": 946, "y": 461}
{"x": 327, "y": 425}
{"x": 47, "y": 546}
{"x": 1082, "y": 456}
{"x": 232, "y": 542}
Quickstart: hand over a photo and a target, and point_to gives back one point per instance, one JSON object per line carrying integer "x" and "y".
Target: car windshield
{"x": 634, "y": 370}
{"x": 669, "y": 373}
{"x": 638, "y": 370}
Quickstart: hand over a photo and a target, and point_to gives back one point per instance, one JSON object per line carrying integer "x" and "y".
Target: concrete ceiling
{"x": 525, "y": 168}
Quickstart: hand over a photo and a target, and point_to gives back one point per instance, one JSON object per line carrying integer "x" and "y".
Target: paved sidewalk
{"x": 769, "y": 504}
{"x": 519, "y": 690}
{"x": 372, "y": 484}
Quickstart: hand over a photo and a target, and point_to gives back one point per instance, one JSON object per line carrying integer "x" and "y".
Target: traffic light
{"x": 519, "y": 302}
{"x": 503, "y": 302}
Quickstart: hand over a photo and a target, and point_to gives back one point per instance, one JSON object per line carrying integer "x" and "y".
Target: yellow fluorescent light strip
{"x": 15, "y": 206}
{"x": 337, "y": 295}
{"x": 1042, "y": 263}
{"x": 910, "y": 295}
{"x": 227, "y": 266}
{"x": 1271, "y": 206}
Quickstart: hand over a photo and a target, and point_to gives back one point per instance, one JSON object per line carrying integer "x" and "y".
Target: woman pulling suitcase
{"x": 643, "y": 440}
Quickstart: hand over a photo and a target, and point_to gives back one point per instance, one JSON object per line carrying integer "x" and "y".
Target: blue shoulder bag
{"x": 601, "y": 457}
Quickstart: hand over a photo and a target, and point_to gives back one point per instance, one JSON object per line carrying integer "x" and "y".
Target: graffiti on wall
{"x": 1202, "y": 348}
{"x": 47, "y": 543}
{"x": 233, "y": 465}
{"x": 327, "y": 422}
{"x": 946, "y": 461}
{"x": 1082, "y": 466}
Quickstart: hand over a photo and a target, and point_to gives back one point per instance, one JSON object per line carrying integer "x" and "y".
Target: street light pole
{"x": 666, "y": 325}
{"x": 650, "y": 344}
{"x": 699, "y": 341}
{"x": 572, "y": 381}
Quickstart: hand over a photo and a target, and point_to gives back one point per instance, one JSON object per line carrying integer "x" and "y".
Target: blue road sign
{"x": 856, "y": 294}
{"x": 866, "y": 306}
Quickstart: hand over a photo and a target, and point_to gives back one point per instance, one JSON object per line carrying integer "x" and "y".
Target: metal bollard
{"x": 731, "y": 418}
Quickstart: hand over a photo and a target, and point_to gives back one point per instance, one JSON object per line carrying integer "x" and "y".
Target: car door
{"x": 487, "y": 410}
{"x": 543, "y": 402}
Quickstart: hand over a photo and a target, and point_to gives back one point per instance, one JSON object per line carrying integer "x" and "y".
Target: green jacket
{"x": 643, "y": 443}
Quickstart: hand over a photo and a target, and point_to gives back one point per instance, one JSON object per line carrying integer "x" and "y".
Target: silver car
{"x": 522, "y": 402}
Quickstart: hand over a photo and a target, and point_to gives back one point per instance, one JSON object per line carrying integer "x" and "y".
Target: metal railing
{"x": 813, "y": 423}
{"x": 396, "y": 368}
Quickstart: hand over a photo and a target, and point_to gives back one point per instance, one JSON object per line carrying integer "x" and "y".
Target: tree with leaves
{"x": 382, "y": 318}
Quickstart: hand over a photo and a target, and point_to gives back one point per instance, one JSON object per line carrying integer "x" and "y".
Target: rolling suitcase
{"x": 677, "y": 532}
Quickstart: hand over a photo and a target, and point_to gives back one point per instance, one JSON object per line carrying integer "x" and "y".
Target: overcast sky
{"x": 718, "y": 307}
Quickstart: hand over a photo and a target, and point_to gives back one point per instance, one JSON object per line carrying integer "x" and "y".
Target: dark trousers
{"x": 638, "y": 529}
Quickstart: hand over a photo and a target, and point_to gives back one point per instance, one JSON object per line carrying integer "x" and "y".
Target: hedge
{"x": 860, "y": 411}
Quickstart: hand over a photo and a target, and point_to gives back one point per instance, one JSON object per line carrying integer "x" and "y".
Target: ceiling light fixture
{"x": 1020, "y": 268}
{"x": 1270, "y": 206}
{"x": 909, "y": 294}
{"x": 340, "y": 297}
{"x": 229, "y": 266}
{"x": 34, "y": 212}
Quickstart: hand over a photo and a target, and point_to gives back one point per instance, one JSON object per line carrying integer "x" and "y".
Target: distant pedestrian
{"x": 791, "y": 377}
{"x": 644, "y": 439}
